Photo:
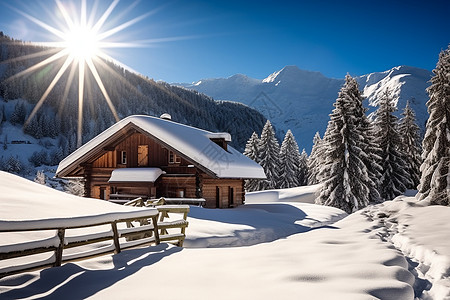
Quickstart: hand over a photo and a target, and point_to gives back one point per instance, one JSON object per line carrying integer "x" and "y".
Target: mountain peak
{"x": 290, "y": 71}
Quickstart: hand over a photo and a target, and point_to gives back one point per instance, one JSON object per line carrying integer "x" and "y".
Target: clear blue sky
{"x": 256, "y": 38}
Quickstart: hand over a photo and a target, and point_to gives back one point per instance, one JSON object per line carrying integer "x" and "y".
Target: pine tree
{"x": 40, "y": 177}
{"x": 410, "y": 138}
{"x": 75, "y": 187}
{"x": 313, "y": 160}
{"x": 394, "y": 177}
{"x": 252, "y": 152}
{"x": 14, "y": 165}
{"x": 289, "y": 162}
{"x": 434, "y": 182}
{"x": 345, "y": 178}
{"x": 302, "y": 173}
{"x": 2, "y": 115}
{"x": 268, "y": 157}
{"x": 372, "y": 160}
{"x": 368, "y": 145}
{"x": 19, "y": 114}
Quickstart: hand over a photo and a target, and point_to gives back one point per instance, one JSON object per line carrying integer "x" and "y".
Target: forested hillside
{"x": 130, "y": 93}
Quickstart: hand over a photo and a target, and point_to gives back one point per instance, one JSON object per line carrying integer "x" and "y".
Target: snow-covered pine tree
{"x": 252, "y": 152}
{"x": 394, "y": 176}
{"x": 313, "y": 160}
{"x": 40, "y": 177}
{"x": 410, "y": 137}
{"x": 434, "y": 182}
{"x": 269, "y": 157}
{"x": 75, "y": 186}
{"x": 344, "y": 174}
{"x": 19, "y": 114}
{"x": 289, "y": 162}
{"x": 302, "y": 174}
{"x": 371, "y": 158}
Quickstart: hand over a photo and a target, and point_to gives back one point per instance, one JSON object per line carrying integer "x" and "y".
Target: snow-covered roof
{"x": 135, "y": 175}
{"x": 193, "y": 143}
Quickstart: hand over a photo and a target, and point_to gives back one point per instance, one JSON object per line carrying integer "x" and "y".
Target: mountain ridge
{"x": 301, "y": 100}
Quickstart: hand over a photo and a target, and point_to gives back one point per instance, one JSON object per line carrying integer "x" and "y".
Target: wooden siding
{"x": 169, "y": 186}
{"x": 183, "y": 176}
{"x": 211, "y": 186}
{"x": 158, "y": 156}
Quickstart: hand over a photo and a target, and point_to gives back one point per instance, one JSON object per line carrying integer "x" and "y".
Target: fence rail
{"x": 57, "y": 244}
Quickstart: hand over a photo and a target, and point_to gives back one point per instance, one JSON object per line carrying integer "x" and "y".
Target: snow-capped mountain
{"x": 302, "y": 100}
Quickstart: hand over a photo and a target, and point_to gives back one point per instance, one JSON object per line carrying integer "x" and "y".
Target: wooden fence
{"x": 135, "y": 236}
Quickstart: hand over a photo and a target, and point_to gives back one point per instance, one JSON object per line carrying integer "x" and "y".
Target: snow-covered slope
{"x": 363, "y": 256}
{"x": 302, "y": 100}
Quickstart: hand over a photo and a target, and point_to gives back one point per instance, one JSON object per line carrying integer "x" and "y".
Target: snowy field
{"x": 275, "y": 246}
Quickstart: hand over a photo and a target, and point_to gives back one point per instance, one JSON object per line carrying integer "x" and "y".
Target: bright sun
{"x": 82, "y": 42}
{"x": 82, "y": 39}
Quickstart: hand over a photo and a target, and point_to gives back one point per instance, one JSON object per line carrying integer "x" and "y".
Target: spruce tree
{"x": 410, "y": 138}
{"x": 372, "y": 160}
{"x": 302, "y": 173}
{"x": 344, "y": 174}
{"x": 40, "y": 177}
{"x": 394, "y": 176}
{"x": 313, "y": 160}
{"x": 434, "y": 182}
{"x": 252, "y": 152}
{"x": 19, "y": 114}
{"x": 368, "y": 145}
{"x": 269, "y": 157}
{"x": 290, "y": 162}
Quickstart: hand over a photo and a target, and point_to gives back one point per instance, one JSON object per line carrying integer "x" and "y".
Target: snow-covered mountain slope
{"x": 302, "y": 100}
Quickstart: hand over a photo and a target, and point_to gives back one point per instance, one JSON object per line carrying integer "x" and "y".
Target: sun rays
{"x": 81, "y": 43}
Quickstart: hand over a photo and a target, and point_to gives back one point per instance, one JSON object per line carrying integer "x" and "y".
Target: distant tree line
{"x": 284, "y": 166}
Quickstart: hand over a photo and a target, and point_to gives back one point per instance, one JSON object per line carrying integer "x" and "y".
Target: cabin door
{"x": 143, "y": 155}
{"x": 230, "y": 197}
{"x": 217, "y": 197}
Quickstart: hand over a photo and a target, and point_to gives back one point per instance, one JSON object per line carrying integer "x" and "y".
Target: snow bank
{"x": 304, "y": 194}
{"x": 25, "y": 201}
{"x": 354, "y": 258}
{"x": 251, "y": 224}
{"x": 334, "y": 262}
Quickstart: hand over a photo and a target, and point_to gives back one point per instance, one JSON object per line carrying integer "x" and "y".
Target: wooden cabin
{"x": 155, "y": 157}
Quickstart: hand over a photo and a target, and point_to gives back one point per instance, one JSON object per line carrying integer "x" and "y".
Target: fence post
{"x": 60, "y": 248}
{"x": 155, "y": 226}
{"x": 115, "y": 237}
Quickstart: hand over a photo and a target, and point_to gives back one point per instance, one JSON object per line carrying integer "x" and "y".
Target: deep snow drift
{"x": 354, "y": 258}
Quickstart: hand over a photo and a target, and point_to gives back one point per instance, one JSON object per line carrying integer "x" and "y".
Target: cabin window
{"x": 123, "y": 157}
{"x": 173, "y": 158}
